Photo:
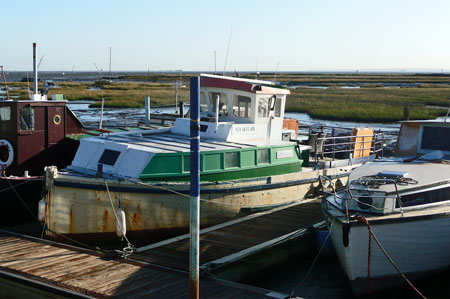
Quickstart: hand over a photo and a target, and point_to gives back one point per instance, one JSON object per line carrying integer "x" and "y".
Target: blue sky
{"x": 169, "y": 35}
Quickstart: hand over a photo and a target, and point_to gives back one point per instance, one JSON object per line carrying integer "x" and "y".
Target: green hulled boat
{"x": 142, "y": 177}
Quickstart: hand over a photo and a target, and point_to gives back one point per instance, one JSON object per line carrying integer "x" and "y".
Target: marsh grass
{"x": 371, "y": 103}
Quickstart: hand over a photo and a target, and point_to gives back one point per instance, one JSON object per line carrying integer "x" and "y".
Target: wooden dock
{"x": 36, "y": 267}
{"x": 233, "y": 240}
{"x": 159, "y": 270}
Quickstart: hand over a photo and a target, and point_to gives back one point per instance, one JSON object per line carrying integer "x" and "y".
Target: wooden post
{"x": 406, "y": 113}
{"x": 195, "y": 190}
{"x": 101, "y": 115}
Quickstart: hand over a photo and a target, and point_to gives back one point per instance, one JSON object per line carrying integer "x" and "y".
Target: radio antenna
{"x": 276, "y": 71}
{"x": 226, "y": 57}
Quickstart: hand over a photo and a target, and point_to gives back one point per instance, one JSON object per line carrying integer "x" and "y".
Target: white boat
{"x": 405, "y": 201}
{"x": 245, "y": 166}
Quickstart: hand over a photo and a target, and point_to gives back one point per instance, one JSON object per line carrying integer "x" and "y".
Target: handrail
{"x": 327, "y": 145}
{"x": 384, "y": 181}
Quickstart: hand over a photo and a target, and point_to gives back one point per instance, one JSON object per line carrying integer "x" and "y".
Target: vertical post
{"x": 35, "y": 78}
{"x": 217, "y": 109}
{"x": 101, "y": 115}
{"x": 147, "y": 111}
{"x": 181, "y": 109}
{"x": 176, "y": 96}
{"x": 195, "y": 190}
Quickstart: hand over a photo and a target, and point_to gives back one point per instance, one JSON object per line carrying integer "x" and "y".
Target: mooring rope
{"x": 365, "y": 221}
{"x": 18, "y": 196}
{"x": 315, "y": 259}
{"x": 130, "y": 248}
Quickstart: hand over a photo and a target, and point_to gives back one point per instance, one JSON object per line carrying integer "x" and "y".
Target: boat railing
{"x": 365, "y": 200}
{"x": 338, "y": 147}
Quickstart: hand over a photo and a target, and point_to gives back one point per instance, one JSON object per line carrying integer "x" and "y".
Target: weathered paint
{"x": 155, "y": 212}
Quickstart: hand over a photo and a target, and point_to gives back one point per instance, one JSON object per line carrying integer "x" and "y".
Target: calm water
{"x": 91, "y": 117}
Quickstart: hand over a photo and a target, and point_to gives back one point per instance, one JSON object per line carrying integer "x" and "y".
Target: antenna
{"x": 110, "y": 61}
{"x": 226, "y": 57}
{"x": 215, "y": 64}
{"x": 4, "y": 81}
{"x": 99, "y": 72}
{"x": 276, "y": 71}
{"x": 39, "y": 64}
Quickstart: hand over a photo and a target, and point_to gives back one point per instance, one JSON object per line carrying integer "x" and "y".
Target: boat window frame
{"x": 25, "y": 124}
{"x": 5, "y": 124}
{"x": 427, "y": 190}
{"x": 248, "y": 108}
{"x": 109, "y": 156}
{"x": 423, "y": 127}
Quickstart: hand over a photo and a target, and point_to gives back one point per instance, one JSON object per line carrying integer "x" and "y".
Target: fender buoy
{"x": 8, "y": 145}
{"x": 121, "y": 224}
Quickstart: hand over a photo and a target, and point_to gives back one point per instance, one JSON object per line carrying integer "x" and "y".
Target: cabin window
{"x": 232, "y": 159}
{"x": 263, "y": 156}
{"x": 109, "y": 157}
{"x": 431, "y": 138}
{"x": 263, "y": 107}
{"x": 277, "y": 107}
{"x": 27, "y": 118}
{"x": 203, "y": 103}
{"x": 425, "y": 197}
{"x": 242, "y": 106}
{"x": 223, "y": 109}
{"x": 5, "y": 118}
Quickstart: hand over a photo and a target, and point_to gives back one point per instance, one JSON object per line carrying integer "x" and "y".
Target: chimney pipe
{"x": 35, "y": 77}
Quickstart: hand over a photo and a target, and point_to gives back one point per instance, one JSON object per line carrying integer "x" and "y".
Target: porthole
{"x": 57, "y": 119}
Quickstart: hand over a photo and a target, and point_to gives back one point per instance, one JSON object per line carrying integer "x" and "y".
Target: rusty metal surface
{"x": 90, "y": 273}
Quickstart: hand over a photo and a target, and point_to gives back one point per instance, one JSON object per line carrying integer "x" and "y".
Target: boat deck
{"x": 233, "y": 240}
{"x": 74, "y": 272}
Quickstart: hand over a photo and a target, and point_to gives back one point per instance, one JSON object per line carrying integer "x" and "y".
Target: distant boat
{"x": 405, "y": 202}
{"x": 248, "y": 163}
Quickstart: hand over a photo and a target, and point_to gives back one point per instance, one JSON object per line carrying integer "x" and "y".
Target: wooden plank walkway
{"x": 235, "y": 239}
{"x": 75, "y": 272}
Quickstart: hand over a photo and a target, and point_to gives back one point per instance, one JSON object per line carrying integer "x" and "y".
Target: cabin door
{"x": 55, "y": 124}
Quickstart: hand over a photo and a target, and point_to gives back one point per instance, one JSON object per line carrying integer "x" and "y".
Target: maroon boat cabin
{"x": 33, "y": 134}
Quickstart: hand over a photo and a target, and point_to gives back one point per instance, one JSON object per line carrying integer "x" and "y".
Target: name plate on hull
{"x": 284, "y": 154}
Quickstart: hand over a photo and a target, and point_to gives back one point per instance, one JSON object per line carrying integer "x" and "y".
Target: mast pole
{"x": 194, "y": 256}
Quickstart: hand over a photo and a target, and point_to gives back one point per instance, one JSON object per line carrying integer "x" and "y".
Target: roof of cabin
{"x": 169, "y": 142}
{"x": 247, "y": 85}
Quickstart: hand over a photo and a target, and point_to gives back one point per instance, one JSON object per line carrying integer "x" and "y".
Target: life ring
{"x": 8, "y": 162}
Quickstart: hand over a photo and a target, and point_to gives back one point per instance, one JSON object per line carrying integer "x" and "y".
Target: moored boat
{"x": 245, "y": 166}
{"x": 397, "y": 208}
{"x": 34, "y": 133}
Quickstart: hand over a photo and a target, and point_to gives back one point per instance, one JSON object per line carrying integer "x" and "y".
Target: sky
{"x": 295, "y": 35}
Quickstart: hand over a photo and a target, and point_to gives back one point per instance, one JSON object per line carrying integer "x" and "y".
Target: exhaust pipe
{"x": 35, "y": 75}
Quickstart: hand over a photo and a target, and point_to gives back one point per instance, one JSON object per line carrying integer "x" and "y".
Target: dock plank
{"x": 79, "y": 271}
{"x": 239, "y": 236}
